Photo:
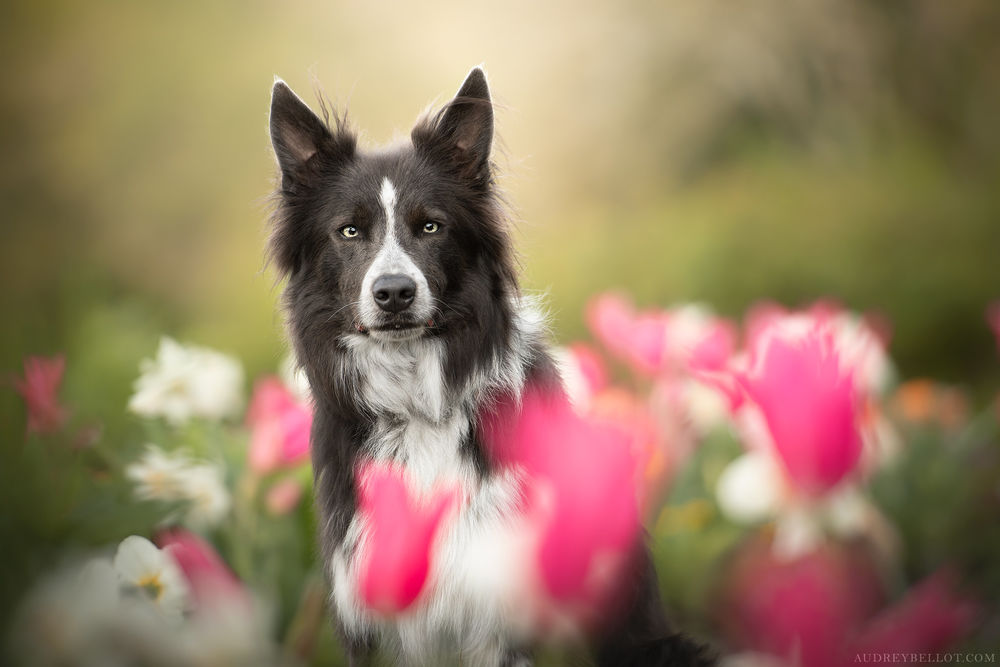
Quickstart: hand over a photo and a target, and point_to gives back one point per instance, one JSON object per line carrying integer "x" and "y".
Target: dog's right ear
{"x": 302, "y": 142}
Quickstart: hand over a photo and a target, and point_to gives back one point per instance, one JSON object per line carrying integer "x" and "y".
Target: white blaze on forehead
{"x": 391, "y": 255}
{"x": 388, "y": 199}
{"x": 392, "y": 259}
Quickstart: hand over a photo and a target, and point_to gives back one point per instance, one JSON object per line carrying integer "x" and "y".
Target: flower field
{"x": 804, "y": 504}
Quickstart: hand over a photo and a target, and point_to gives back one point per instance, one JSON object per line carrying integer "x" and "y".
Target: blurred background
{"x": 695, "y": 151}
{"x": 713, "y": 152}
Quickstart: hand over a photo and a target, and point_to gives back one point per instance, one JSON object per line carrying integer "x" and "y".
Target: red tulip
{"x": 39, "y": 388}
{"x": 396, "y": 554}
{"x": 280, "y": 427}
{"x": 808, "y": 400}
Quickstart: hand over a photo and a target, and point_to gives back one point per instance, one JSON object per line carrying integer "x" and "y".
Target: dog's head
{"x": 393, "y": 243}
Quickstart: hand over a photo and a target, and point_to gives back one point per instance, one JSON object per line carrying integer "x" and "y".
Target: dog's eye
{"x": 431, "y": 227}
{"x": 348, "y": 231}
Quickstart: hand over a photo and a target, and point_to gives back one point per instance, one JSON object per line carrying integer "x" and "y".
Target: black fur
{"x": 444, "y": 176}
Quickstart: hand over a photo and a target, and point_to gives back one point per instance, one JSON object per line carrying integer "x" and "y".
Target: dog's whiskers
{"x": 342, "y": 308}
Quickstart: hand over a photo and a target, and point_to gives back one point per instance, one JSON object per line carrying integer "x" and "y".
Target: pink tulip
{"x": 824, "y": 609}
{"x": 697, "y": 340}
{"x": 932, "y": 617}
{"x": 581, "y": 495}
{"x": 609, "y": 317}
{"x": 637, "y": 338}
{"x": 684, "y": 339}
{"x": 280, "y": 427}
{"x": 809, "y": 403}
{"x": 993, "y": 319}
{"x": 396, "y": 557}
{"x": 591, "y": 367}
{"x": 206, "y": 573}
{"x": 803, "y": 610}
{"x": 39, "y": 388}
{"x": 714, "y": 347}
{"x": 647, "y": 439}
{"x": 861, "y": 341}
{"x": 283, "y": 497}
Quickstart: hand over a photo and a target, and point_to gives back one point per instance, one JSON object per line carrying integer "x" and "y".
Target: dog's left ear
{"x": 461, "y": 134}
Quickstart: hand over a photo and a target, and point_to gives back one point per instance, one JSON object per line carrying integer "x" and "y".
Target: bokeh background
{"x": 716, "y": 152}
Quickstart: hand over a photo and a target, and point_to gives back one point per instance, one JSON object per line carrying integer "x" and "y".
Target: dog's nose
{"x": 394, "y": 293}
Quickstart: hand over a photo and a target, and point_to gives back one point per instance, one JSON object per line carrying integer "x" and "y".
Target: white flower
{"x": 98, "y": 614}
{"x": 153, "y": 573}
{"x": 60, "y": 619}
{"x": 226, "y": 630}
{"x": 188, "y": 381}
{"x": 174, "y": 477}
{"x": 797, "y": 532}
{"x": 158, "y": 475}
{"x": 209, "y": 498}
{"x": 751, "y": 488}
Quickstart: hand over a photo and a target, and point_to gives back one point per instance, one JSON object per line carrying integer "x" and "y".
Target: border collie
{"x": 403, "y": 307}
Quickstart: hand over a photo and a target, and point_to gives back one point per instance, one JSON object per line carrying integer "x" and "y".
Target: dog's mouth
{"x": 394, "y": 328}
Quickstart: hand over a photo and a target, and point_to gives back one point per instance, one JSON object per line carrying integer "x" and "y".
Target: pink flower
{"x": 206, "y": 573}
{"x": 825, "y": 608}
{"x": 621, "y": 410}
{"x": 280, "y": 427}
{"x": 396, "y": 556}
{"x": 39, "y": 388}
{"x": 284, "y": 496}
{"x": 993, "y": 319}
{"x": 803, "y": 610}
{"x": 808, "y": 400}
{"x": 590, "y": 365}
{"x": 687, "y": 338}
{"x": 581, "y": 493}
{"x": 932, "y": 617}
{"x": 698, "y": 341}
{"x": 637, "y": 338}
{"x": 861, "y": 341}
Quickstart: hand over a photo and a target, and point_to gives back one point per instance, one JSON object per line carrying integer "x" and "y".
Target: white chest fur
{"x": 404, "y": 378}
{"x": 419, "y": 430}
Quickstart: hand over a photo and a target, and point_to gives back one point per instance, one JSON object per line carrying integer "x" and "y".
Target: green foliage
{"x": 690, "y": 538}
{"x": 942, "y": 497}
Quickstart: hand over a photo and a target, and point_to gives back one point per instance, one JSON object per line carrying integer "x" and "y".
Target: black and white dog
{"x": 404, "y": 309}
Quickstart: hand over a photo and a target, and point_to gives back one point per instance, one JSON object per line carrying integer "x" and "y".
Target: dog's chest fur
{"x": 423, "y": 426}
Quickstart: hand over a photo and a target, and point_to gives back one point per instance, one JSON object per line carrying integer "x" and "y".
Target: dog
{"x": 403, "y": 307}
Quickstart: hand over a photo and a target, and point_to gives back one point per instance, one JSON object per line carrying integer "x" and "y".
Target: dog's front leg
{"x": 643, "y": 637}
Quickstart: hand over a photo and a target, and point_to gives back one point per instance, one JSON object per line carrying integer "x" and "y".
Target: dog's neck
{"x": 409, "y": 379}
